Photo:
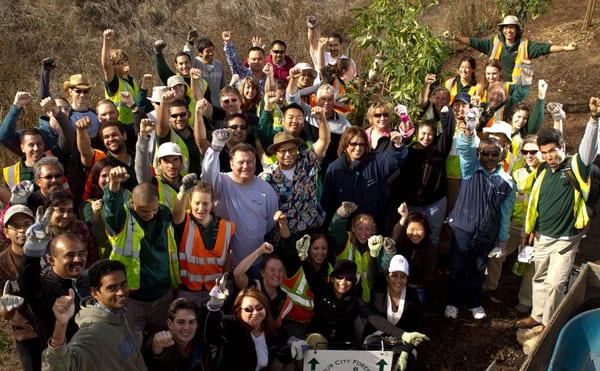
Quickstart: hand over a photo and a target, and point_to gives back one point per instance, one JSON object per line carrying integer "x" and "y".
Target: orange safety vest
{"x": 498, "y": 116}
{"x": 299, "y": 292}
{"x": 198, "y": 266}
{"x": 522, "y": 55}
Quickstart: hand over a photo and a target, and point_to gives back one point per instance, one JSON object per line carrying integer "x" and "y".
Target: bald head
{"x": 67, "y": 255}
{"x": 144, "y": 201}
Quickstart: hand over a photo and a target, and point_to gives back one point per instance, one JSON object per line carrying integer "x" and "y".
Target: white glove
{"x": 375, "y": 244}
{"x": 298, "y": 348}
{"x": 389, "y": 246}
{"x": 219, "y": 138}
{"x": 346, "y": 209}
{"x": 302, "y": 246}
{"x": 402, "y": 363}
{"x": 556, "y": 110}
{"x": 20, "y": 192}
{"x": 472, "y": 118}
{"x": 37, "y": 235}
{"x": 414, "y": 338}
{"x": 218, "y": 294}
{"x": 499, "y": 250}
{"x": 9, "y": 302}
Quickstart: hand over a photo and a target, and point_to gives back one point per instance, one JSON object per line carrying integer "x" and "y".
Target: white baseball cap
{"x": 168, "y": 149}
{"x": 157, "y": 92}
{"x": 399, "y": 264}
{"x": 500, "y": 127}
{"x": 16, "y": 209}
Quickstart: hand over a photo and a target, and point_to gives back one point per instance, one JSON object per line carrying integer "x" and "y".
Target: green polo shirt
{"x": 556, "y": 202}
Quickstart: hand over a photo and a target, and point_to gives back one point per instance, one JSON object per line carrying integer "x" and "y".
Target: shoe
{"x": 522, "y": 308}
{"x": 478, "y": 313}
{"x": 451, "y": 312}
{"x": 527, "y": 322}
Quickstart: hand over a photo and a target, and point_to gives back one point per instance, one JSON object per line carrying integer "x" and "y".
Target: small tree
{"x": 523, "y": 9}
{"x": 400, "y": 51}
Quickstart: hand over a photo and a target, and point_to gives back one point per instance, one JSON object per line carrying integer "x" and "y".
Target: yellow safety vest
{"x": 125, "y": 113}
{"x": 166, "y": 194}
{"x": 522, "y": 55}
{"x": 126, "y": 246}
{"x": 483, "y": 97}
{"x": 12, "y": 174}
{"x": 579, "y": 208}
{"x": 362, "y": 266}
{"x": 524, "y": 181}
{"x": 452, "y": 86}
{"x": 453, "y": 161}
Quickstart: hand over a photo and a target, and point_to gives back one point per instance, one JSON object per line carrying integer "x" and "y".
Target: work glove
{"x": 188, "y": 182}
{"x": 298, "y": 347}
{"x": 413, "y": 338}
{"x": 219, "y": 139}
{"x": 192, "y": 35}
{"x": 218, "y": 294}
{"x": 9, "y": 302}
{"x": 389, "y": 246}
{"x": 20, "y": 192}
{"x": 556, "y": 110}
{"x": 375, "y": 244}
{"x": 402, "y": 363}
{"x": 38, "y": 235}
{"x": 302, "y": 246}
{"x": 159, "y": 45}
{"x": 499, "y": 250}
{"x": 472, "y": 118}
{"x": 346, "y": 209}
{"x": 48, "y": 64}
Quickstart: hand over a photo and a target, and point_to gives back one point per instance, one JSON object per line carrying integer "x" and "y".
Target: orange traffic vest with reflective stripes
{"x": 299, "y": 292}
{"x": 522, "y": 55}
{"x": 198, "y": 266}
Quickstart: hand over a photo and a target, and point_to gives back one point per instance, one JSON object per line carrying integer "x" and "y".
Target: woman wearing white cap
{"x": 509, "y": 47}
{"x": 395, "y": 310}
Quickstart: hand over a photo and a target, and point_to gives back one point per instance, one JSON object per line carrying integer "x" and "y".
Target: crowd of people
{"x": 205, "y": 224}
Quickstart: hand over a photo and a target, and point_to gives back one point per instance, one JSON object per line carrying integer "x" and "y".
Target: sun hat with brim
{"x": 14, "y": 210}
{"x": 77, "y": 81}
{"x": 510, "y": 20}
{"x": 281, "y": 139}
{"x": 399, "y": 264}
{"x": 168, "y": 149}
{"x": 175, "y": 80}
{"x": 500, "y": 127}
{"x": 157, "y": 92}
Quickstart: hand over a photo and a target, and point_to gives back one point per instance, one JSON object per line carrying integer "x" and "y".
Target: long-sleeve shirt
{"x": 250, "y": 206}
{"x": 237, "y": 67}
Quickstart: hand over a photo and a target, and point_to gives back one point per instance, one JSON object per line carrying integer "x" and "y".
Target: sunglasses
{"x": 489, "y": 154}
{"x": 227, "y": 101}
{"x": 51, "y": 176}
{"x": 235, "y": 127}
{"x": 278, "y": 51}
{"x": 251, "y": 309}
{"x": 179, "y": 115}
{"x": 382, "y": 114}
{"x": 357, "y": 144}
{"x": 81, "y": 91}
{"x": 526, "y": 152}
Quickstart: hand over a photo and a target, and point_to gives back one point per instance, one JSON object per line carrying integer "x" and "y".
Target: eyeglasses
{"x": 278, "y": 51}
{"x": 235, "y": 127}
{"x": 381, "y": 114}
{"x": 51, "y": 176}
{"x": 227, "y": 101}
{"x": 81, "y": 91}
{"x": 251, "y": 309}
{"x": 19, "y": 227}
{"x": 179, "y": 115}
{"x": 291, "y": 151}
{"x": 357, "y": 144}
{"x": 526, "y": 152}
{"x": 489, "y": 154}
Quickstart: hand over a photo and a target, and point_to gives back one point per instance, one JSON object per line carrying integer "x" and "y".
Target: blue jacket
{"x": 485, "y": 201}
{"x": 11, "y": 138}
{"x": 363, "y": 182}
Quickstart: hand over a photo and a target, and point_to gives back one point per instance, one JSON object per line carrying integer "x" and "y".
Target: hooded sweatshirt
{"x": 104, "y": 342}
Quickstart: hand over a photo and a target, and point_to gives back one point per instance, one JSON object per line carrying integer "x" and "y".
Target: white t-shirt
{"x": 262, "y": 352}
{"x": 394, "y": 317}
{"x": 289, "y": 174}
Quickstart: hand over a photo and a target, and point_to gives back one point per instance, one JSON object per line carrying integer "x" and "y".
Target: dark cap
{"x": 463, "y": 97}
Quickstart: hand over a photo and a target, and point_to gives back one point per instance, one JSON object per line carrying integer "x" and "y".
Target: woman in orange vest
{"x": 307, "y": 265}
{"x": 203, "y": 239}
{"x": 464, "y": 81}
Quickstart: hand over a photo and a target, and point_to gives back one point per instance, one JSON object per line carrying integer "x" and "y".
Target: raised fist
{"x": 192, "y": 35}
{"x": 48, "y": 64}
{"x": 159, "y": 45}
{"x": 22, "y": 98}
{"x": 346, "y": 209}
{"x": 162, "y": 340}
{"x": 226, "y": 35}
{"x": 118, "y": 174}
{"x": 108, "y": 34}
{"x": 188, "y": 182}
{"x": 311, "y": 21}
{"x": 83, "y": 123}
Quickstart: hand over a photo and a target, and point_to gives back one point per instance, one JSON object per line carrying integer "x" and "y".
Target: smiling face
{"x": 178, "y": 118}
{"x": 104, "y": 176}
{"x": 492, "y": 74}
{"x": 425, "y": 135}
{"x": 252, "y": 312}
{"x": 183, "y": 64}
{"x": 107, "y": 112}
{"x": 238, "y": 129}
{"x": 278, "y": 53}
{"x": 496, "y": 97}
{"x": 113, "y": 139}
{"x": 489, "y": 156}
{"x": 62, "y": 215}
{"x": 113, "y": 291}
{"x": 532, "y": 155}
{"x": 201, "y": 205}
{"x": 293, "y": 122}
{"x": 250, "y": 91}
{"x": 519, "y": 119}
{"x": 50, "y": 179}
{"x": 465, "y": 71}
{"x": 272, "y": 273}
{"x": 170, "y": 166}
{"x": 231, "y": 103}
{"x": 334, "y": 46}
{"x": 243, "y": 166}
{"x": 396, "y": 282}
{"x": 256, "y": 61}
{"x": 306, "y": 79}
{"x": 32, "y": 147}
{"x": 16, "y": 228}
{"x": 317, "y": 252}
{"x": 363, "y": 228}
{"x": 510, "y": 33}
{"x": 342, "y": 284}
{"x": 380, "y": 119}
{"x": 207, "y": 54}
{"x": 415, "y": 232}
{"x": 440, "y": 99}
{"x": 357, "y": 147}
{"x": 287, "y": 155}
{"x": 68, "y": 257}
{"x": 183, "y": 326}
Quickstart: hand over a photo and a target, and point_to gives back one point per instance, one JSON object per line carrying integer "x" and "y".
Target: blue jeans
{"x": 468, "y": 259}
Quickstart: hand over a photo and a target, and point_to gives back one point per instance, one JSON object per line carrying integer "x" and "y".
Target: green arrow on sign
{"x": 382, "y": 363}
{"x": 313, "y": 364}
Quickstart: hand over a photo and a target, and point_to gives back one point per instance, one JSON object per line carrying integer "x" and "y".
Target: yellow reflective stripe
{"x": 496, "y": 48}
{"x": 12, "y": 174}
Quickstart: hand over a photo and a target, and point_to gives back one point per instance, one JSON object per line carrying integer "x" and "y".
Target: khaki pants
{"x": 553, "y": 260}
{"x": 149, "y": 316}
